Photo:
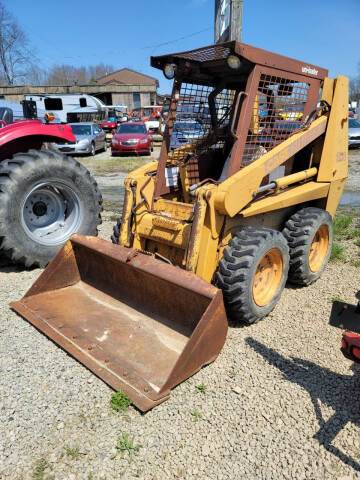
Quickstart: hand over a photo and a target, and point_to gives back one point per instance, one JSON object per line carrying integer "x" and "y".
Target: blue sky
{"x": 125, "y": 33}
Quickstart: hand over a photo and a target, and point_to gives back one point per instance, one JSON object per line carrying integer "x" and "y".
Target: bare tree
{"x": 354, "y": 90}
{"x": 70, "y": 75}
{"x": 354, "y": 87}
{"x": 98, "y": 71}
{"x": 15, "y": 57}
{"x": 66, "y": 75}
{"x": 36, "y": 75}
{"x": 61, "y": 75}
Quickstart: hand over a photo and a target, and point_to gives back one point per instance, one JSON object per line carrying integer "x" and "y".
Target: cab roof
{"x": 204, "y": 64}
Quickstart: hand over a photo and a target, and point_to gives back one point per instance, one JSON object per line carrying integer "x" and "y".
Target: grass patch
{"x": 341, "y": 224}
{"x": 196, "y": 414}
{"x": 353, "y": 234}
{"x": 233, "y": 374}
{"x": 355, "y": 263}
{"x": 337, "y": 299}
{"x": 113, "y": 206}
{"x": 126, "y": 444}
{"x": 201, "y": 388}
{"x": 39, "y": 471}
{"x": 337, "y": 252}
{"x": 72, "y": 452}
{"x": 120, "y": 402}
{"x": 114, "y": 164}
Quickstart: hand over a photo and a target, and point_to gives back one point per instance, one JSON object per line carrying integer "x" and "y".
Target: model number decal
{"x": 310, "y": 70}
{"x": 340, "y": 156}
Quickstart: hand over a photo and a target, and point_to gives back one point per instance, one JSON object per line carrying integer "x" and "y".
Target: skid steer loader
{"x": 241, "y": 200}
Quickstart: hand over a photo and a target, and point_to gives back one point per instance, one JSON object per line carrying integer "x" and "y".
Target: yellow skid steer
{"x": 252, "y": 166}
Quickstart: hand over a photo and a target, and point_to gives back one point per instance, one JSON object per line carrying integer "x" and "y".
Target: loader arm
{"x": 241, "y": 188}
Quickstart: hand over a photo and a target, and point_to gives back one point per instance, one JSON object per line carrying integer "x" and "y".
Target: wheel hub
{"x": 267, "y": 278}
{"x": 51, "y": 213}
{"x": 39, "y": 209}
{"x": 319, "y": 248}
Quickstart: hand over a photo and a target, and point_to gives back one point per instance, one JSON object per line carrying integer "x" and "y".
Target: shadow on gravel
{"x": 340, "y": 392}
{"x": 7, "y": 266}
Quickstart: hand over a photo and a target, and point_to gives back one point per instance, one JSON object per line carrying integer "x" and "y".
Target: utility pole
{"x": 228, "y": 20}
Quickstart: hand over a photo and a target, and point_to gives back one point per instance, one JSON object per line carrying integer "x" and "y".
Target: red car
{"x": 131, "y": 137}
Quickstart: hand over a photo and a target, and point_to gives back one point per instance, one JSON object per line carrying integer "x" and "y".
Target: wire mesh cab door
{"x": 277, "y": 102}
{"x": 197, "y": 132}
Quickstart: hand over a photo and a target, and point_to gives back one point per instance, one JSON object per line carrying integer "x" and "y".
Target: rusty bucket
{"x": 138, "y": 323}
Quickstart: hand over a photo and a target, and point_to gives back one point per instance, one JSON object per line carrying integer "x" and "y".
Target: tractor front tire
{"x": 309, "y": 233}
{"x": 116, "y": 232}
{"x": 45, "y": 197}
{"x": 253, "y": 272}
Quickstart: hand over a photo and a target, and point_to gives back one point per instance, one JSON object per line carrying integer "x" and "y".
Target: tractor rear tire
{"x": 45, "y": 197}
{"x": 309, "y": 233}
{"x": 253, "y": 272}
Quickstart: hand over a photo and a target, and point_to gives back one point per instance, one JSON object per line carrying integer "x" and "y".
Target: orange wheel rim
{"x": 267, "y": 279}
{"x": 319, "y": 248}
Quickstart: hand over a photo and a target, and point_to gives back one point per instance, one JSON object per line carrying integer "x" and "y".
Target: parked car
{"x": 186, "y": 132}
{"x": 278, "y": 132}
{"x": 109, "y": 127}
{"x": 131, "y": 137}
{"x": 89, "y": 139}
{"x": 354, "y": 132}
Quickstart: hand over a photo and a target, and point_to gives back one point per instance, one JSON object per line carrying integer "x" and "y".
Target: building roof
{"x": 128, "y": 77}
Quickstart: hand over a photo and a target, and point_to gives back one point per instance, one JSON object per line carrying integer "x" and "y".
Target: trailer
{"x": 71, "y": 107}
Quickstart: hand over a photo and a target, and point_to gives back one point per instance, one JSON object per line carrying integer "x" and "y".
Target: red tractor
{"x": 45, "y": 196}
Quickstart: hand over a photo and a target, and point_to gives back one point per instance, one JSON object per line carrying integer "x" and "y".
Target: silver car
{"x": 354, "y": 132}
{"x": 89, "y": 139}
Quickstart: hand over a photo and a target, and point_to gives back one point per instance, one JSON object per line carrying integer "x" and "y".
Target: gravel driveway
{"x": 280, "y": 401}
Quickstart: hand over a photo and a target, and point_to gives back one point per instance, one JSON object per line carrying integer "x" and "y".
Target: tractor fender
{"x": 31, "y": 134}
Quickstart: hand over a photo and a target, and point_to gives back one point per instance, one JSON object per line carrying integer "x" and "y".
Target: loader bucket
{"x": 138, "y": 323}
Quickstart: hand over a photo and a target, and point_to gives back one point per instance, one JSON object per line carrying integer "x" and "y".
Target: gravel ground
{"x": 280, "y": 402}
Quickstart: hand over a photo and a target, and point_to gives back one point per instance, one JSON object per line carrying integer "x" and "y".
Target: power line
{"x": 178, "y": 39}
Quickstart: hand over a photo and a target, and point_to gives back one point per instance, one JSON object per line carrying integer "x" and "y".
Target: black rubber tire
{"x": 17, "y": 177}
{"x": 105, "y": 146}
{"x": 299, "y": 232}
{"x": 93, "y": 150}
{"x": 237, "y": 268}
{"x": 116, "y": 232}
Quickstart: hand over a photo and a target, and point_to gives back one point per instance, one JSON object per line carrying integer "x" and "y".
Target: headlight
{"x": 170, "y": 71}
{"x": 234, "y": 62}
{"x": 144, "y": 140}
{"x": 114, "y": 140}
{"x": 84, "y": 141}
